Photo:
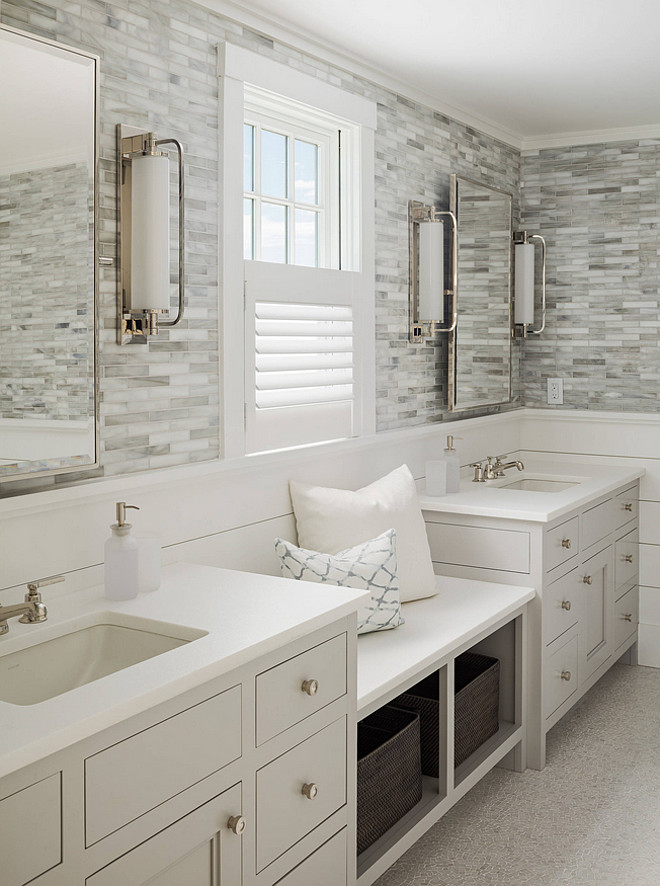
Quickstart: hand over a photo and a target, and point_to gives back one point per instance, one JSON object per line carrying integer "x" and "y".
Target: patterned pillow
{"x": 370, "y": 566}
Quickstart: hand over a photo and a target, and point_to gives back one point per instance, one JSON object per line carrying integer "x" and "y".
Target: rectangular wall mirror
{"x": 480, "y": 346}
{"x": 48, "y": 276}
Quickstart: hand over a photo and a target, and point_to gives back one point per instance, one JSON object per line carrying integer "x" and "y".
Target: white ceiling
{"x": 529, "y": 70}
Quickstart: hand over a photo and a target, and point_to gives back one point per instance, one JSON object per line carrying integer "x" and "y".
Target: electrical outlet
{"x": 556, "y": 391}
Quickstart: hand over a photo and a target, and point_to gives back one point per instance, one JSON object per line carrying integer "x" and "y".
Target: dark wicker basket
{"x": 423, "y": 698}
{"x": 389, "y": 772}
{"x": 477, "y": 701}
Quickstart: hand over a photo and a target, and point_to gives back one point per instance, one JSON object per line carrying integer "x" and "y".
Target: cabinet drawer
{"x": 597, "y": 523}
{"x": 561, "y": 605}
{"x": 503, "y": 549}
{"x": 561, "y": 543}
{"x": 626, "y": 558}
{"x": 283, "y": 692}
{"x": 325, "y": 867}
{"x": 626, "y": 506}
{"x": 626, "y": 616}
{"x": 133, "y": 776}
{"x": 31, "y": 831}
{"x": 284, "y": 814}
{"x": 560, "y": 679}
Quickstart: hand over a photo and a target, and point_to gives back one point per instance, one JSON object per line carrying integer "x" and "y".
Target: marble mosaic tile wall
{"x": 160, "y": 406}
{"x": 598, "y": 206}
{"x": 46, "y": 273}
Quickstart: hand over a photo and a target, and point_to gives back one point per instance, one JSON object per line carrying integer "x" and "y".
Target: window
{"x": 301, "y": 184}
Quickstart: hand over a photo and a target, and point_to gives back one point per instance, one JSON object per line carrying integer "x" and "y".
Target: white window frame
{"x": 236, "y": 68}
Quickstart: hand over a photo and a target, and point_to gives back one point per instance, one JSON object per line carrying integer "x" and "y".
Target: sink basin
{"x": 61, "y": 663}
{"x": 536, "y": 482}
{"x": 534, "y": 485}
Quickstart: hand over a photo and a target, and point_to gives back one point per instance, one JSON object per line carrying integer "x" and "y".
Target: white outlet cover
{"x": 556, "y": 391}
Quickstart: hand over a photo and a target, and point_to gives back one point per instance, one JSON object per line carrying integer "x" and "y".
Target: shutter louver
{"x": 303, "y": 354}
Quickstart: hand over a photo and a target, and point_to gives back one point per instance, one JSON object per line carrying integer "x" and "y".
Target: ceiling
{"x": 527, "y": 71}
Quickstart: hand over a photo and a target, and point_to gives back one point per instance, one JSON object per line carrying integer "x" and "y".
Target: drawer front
{"x": 626, "y": 506}
{"x": 31, "y": 831}
{"x": 626, "y": 558}
{"x": 284, "y": 814}
{"x": 325, "y": 867}
{"x": 597, "y": 523}
{"x": 560, "y": 679}
{"x": 561, "y": 605}
{"x": 197, "y": 850}
{"x": 503, "y": 549}
{"x": 561, "y": 543}
{"x": 135, "y": 775}
{"x": 626, "y": 616}
{"x": 293, "y": 690}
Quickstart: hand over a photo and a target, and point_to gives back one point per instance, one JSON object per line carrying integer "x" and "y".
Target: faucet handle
{"x": 33, "y": 586}
{"x": 478, "y": 472}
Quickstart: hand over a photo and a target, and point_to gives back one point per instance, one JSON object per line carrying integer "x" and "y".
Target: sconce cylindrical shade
{"x": 150, "y": 233}
{"x": 431, "y": 272}
{"x": 524, "y": 283}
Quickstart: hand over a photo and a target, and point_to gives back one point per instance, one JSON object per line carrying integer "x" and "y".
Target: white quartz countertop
{"x": 246, "y": 615}
{"x": 434, "y": 628}
{"x": 490, "y": 499}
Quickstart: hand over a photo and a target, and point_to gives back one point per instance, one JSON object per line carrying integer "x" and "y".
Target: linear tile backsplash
{"x": 160, "y": 404}
{"x": 598, "y": 206}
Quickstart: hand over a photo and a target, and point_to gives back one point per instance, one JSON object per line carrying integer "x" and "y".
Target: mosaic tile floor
{"x": 591, "y": 818}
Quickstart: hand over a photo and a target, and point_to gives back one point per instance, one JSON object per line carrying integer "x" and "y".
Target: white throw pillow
{"x": 332, "y": 520}
{"x": 370, "y": 566}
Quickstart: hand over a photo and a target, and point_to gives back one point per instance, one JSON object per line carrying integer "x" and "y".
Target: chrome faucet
{"x": 493, "y": 468}
{"x": 32, "y": 611}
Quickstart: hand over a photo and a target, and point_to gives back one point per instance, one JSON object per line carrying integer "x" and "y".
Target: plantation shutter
{"x": 300, "y": 383}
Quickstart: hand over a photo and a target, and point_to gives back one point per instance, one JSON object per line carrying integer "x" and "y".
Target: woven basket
{"x": 477, "y": 701}
{"x": 423, "y": 698}
{"x": 389, "y": 773}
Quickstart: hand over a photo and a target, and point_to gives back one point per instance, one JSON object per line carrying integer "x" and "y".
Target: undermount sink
{"x": 538, "y": 483}
{"x": 61, "y": 663}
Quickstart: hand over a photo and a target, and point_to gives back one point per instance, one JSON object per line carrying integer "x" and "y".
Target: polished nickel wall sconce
{"x": 143, "y": 236}
{"x": 426, "y": 293}
{"x": 524, "y": 267}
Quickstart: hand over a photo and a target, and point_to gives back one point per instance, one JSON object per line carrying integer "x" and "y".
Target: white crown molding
{"x": 589, "y": 137}
{"x": 575, "y": 416}
{"x": 330, "y": 53}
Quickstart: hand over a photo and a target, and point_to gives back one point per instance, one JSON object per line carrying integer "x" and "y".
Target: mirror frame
{"x": 95, "y": 463}
{"x": 452, "y": 355}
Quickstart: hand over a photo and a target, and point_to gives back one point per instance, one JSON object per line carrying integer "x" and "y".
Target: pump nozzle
{"x": 120, "y": 510}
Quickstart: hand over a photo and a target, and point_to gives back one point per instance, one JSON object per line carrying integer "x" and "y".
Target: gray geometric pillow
{"x": 370, "y": 566}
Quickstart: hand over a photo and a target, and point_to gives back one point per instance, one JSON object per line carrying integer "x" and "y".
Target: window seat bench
{"x": 465, "y": 615}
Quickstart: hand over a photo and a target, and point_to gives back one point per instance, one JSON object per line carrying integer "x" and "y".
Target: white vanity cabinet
{"x": 584, "y": 566}
{"x": 244, "y": 780}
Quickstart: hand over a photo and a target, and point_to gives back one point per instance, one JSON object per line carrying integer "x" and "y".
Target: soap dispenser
{"x": 121, "y": 573}
{"x": 444, "y": 474}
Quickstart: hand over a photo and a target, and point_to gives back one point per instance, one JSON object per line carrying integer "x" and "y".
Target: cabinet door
{"x": 596, "y": 612}
{"x": 198, "y": 850}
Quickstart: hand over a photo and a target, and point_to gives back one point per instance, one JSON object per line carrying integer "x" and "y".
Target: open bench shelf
{"x": 464, "y": 616}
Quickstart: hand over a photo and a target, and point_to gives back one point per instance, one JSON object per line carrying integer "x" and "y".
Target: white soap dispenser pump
{"x": 121, "y": 571}
{"x": 453, "y": 465}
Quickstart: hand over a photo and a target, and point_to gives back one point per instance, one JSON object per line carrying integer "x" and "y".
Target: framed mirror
{"x": 480, "y": 346}
{"x": 48, "y": 262}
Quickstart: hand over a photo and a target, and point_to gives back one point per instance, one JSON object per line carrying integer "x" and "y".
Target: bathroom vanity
{"x": 228, "y": 760}
{"x": 571, "y": 531}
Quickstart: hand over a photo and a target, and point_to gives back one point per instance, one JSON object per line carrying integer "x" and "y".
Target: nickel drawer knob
{"x": 566, "y": 543}
{"x": 627, "y": 616}
{"x": 311, "y": 687}
{"x": 566, "y": 604}
{"x": 628, "y": 558}
{"x": 310, "y": 790}
{"x": 566, "y": 675}
{"x": 237, "y": 824}
{"x": 587, "y": 579}
{"x": 627, "y": 506}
